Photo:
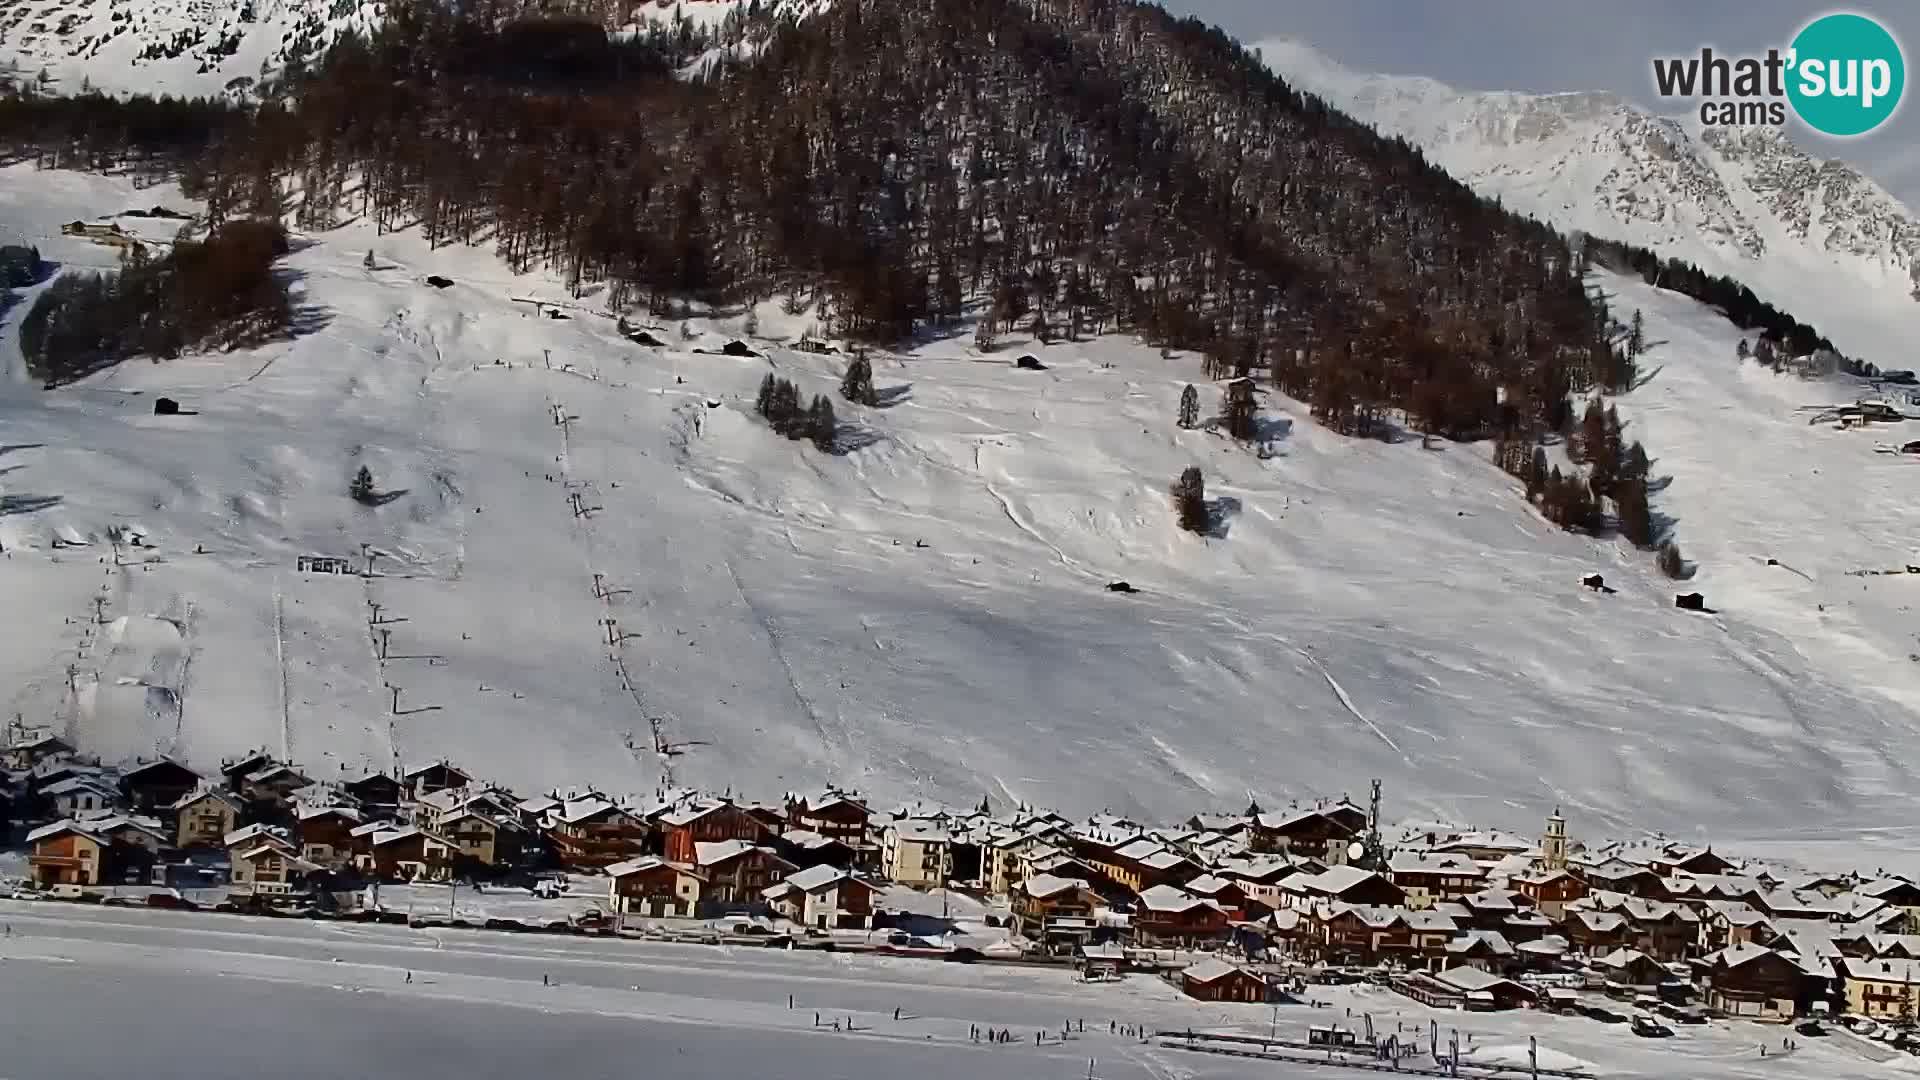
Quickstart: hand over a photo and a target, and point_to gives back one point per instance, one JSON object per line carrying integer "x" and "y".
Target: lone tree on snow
{"x": 857, "y": 385}
{"x": 1242, "y": 411}
{"x": 1636, "y": 336}
{"x": 368, "y": 261}
{"x": 1671, "y": 564}
{"x": 1190, "y": 500}
{"x": 1189, "y": 407}
{"x": 362, "y": 487}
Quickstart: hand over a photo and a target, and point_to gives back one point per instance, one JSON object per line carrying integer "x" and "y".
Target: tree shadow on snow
{"x": 1220, "y": 515}
{"x": 1649, "y": 376}
{"x": 305, "y": 318}
{"x": 382, "y": 498}
{"x": 851, "y": 438}
{"x": 8, "y": 448}
{"x": 893, "y": 395}
{"x": 26, "y": 504}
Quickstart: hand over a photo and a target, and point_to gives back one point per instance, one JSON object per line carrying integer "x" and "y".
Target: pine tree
{"x": 764, "y": 402}
{"x": 362, "y": 487}
{"x": 1636, "y": 465}
{"x": 857, "y": 385}
{"x": 1190, "y": 500}
{"x": 752, "y": 326}
{"x": 820, "y": 425}
{"x": 1742, "y": 351}
{"x": 1636, "y": 337}
{"x": 1671, "y": 564}
{"x": 1537, "y": 473}
{"x": 368, "y": 261}
{"x": 1189, "y": 407}
{"x": 1630, "y": 507}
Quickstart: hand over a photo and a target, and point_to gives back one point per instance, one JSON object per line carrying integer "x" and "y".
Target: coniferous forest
{"x": 1054, "y": 167}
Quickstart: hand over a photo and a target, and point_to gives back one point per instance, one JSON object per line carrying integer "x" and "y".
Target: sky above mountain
{"x": 1558, "y": 45}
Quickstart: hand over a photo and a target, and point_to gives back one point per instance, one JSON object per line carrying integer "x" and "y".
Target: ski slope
{"x": 1365, "y": 609}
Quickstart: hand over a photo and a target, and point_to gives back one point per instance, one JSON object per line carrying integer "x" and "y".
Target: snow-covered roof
{"x": 1041, "y": 886}
{"x": 922, "y": 830}
{"x": 537, "y": 805}
{"x": 310, "y": 811}
{"x": 1880, "y": 969}
{"x": 1472, "y": 980}
{"x": 814, "y": 878}
{"x": 1622, "y": 957}
{"x": 75, "y": 785}
{"x": 1734, "y": 955}
{"x": 65, "y": 825}
{"x": 250, "y": 833}
{"x": 1493, "y": 940}
{"x": 216, "y": 793}
{"x": 635, "y": 866}
{"x": 1168, "y": 898}
{"x": 1434, "y": 862}
{"x": 712, "y": 853}
{"x": 1211, "y": 970}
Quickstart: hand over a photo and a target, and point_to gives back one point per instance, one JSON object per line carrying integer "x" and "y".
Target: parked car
{"x": 1863, "y": 1026}
{"x": 1648, "y": 1028}
{"x": 1811, "y": 1028}
{"x": 1605, "y": 1015}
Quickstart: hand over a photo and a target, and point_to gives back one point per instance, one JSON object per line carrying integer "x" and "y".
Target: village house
{"x": 80, "y": 796}
{"x": 1488, "y": 950}
{"x": 439, "y": 776}
{"x": 248, "y": 836}
{"x": 236, "y": 770}
{"x": 1730, "y": 922}
{"x": 1054, "y": 910}
{"x": 28, "y": 751}
{"x": 488, "y": 839}
{"x": 1428, "y": 877}
{"x": 67, "y": 853}
{"x": 1880, "y": 989}
{"x": 404, "y": 853}
{"x": 1145, "y": 863}
{"x": 1619, "y": 876}
{"x": 1550, "y": 891}
{"x": 838, "y": 815}
{"x": 1752, "y": 983}
{"x": 1467, "y": 987}
{"x": 915, "y": 852}
{"x": 378, "y": 796}
{"x": 325, "y": 834}
{"x": 203, "y": 818}
{"x": 1166, "y": 916}
{"x": 804, "y": 848}
{"x": 1217, "y": 980}
{"x": 685, "y": 828}
{"x": 1898, "y": 893}
{"x": 1365, "y": 935}
{"x": 1676, "y": 859}
{"x": 1340, "y": 885}
{"x": 274, "y": 784}
{"x": 157, "y": 785}
{"x": 1631, "y": 969}
{"x": 533, "y": 812}
{"x": 823, "y": 898}
{"x": 737, "y": 873}
{"x": 1259, "y": 877}
{"x": 594, "y": 832}
{"x": 1596, "y": 932}
{"x": 651, "y": 886}
{"x": 1322, "y": 833}
{"x": 1227, "y": 894}
{"x": 269, "y": 872}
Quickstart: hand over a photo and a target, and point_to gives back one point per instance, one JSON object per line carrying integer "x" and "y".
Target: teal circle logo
{"x": 1847, "y": 75}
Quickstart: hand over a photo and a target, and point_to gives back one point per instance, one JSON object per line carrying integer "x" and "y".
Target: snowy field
{"x": 1365, "y": 610}
{"x": 374, "y": 1000}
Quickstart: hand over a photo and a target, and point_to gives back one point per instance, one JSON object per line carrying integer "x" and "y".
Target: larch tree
{"x": 1189, "y": 407}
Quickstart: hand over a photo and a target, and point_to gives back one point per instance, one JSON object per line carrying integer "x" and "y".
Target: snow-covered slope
{"x": 1368, "y": 610}
{"x": 1815, "y": 237}
{"x": 214, "y": 47}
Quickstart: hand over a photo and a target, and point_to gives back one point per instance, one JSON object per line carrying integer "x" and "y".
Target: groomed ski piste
{"x": 925, "y": 615}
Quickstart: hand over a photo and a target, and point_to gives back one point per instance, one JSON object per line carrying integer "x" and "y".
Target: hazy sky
{"x": 1543, "y": 45}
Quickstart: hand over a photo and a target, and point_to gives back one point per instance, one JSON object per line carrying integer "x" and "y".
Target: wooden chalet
{"x": 489, "y": 839}
{"x": 405, "y": 853}
{"x": 1754, "y": 983}
{"x": 836, "y": 815}
{"x": 325, "y": 834}
{"x": 270, "y": 873}
{"x": 68, "y": 853}
{"x": 594, "y": 832}
{"x": 378, "y": 794}
{"x": 1550, "y": 891}
{"x": 737, "y": 873}
{"x": 1217, "y": 980}
{"x": 1322, "y": 833}
{"x": 1339, "y": 885}
{"x": 1166, "y": 916}
{"x": 651, "y": 886}
{"x": 157, "y": 785}
{"x": 685, "y": 828}
{"x": 1356, "y": 934}
{"x": 438, "y": 776}
{"x": 1431, "y": 877}
{"x": 1053, "y": 909}
{"x": 28, "y": 751}
{"x": 822, "y": 898}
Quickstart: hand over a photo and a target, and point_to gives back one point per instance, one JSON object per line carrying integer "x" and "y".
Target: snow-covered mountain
{"x": 1367, "y": 609}
{"x": 1815, "y": 237}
